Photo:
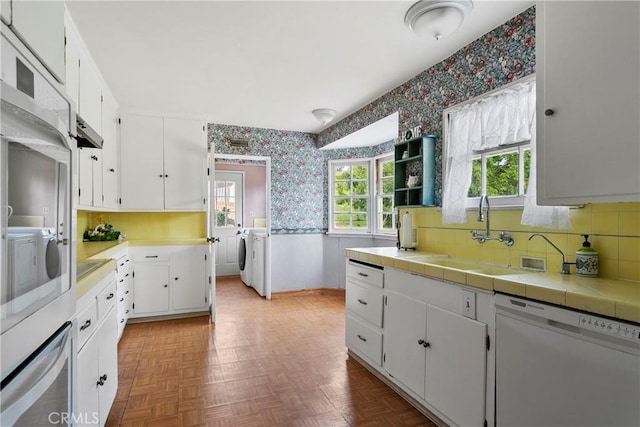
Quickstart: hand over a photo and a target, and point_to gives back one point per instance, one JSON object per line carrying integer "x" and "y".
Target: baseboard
{"x": 406, "y": 396}
{"x": 166, "y": 317}
{"x": 307, "y": 292}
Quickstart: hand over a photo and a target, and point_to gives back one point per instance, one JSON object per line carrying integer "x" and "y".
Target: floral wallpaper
{"x": 299, "y": 174}
{"x": 299, "y": 168}
{"x": 503, "y": 55}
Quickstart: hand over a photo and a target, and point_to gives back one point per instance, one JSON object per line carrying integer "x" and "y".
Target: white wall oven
{"x": 37, "y": 298}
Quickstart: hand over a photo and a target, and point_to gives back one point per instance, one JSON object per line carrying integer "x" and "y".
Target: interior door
{"x": 227, "y": 221}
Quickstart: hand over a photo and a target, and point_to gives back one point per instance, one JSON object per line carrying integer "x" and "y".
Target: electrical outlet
{"x": 468, "y": 304}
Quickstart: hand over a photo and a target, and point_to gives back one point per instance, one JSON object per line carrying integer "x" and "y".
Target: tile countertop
{"x": 102, "y": 252}
{"x": 608, "y": 297}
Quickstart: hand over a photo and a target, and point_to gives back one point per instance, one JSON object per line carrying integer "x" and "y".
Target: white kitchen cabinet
{"x": 456, "y": 366}
{"x": 404, "y": 336}
{"x": 168, "y": 280}
{"x": 97, "y": 362}
{"x": 363, "y": 321}
{"x": 123, "y": 287}
{"x": 429, "y": 349}
{"x": 185, "y": 155}
{"x": 188, "y": 270}
{"x": 438, "y": 354}
{"x": 90, "y": 92}
{"x": 141, "y": 163}
{"x": 110, "y": 169}
{"x": 163, "y": 163}
{"x": 72, "y": 60}
{"x": 90, "y": 177}
{"x": 150, "y": 288}
{"x": 40, "y": 25}
{"x": 588, "y": 101}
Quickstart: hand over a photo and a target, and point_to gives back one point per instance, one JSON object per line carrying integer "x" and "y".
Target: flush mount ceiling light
{"x": 324, "y": 115}
{"x": 437, "y": 18}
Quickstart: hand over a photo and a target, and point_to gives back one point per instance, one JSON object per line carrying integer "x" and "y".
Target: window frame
{"x": 504, "y": 201}
{"x": 374, "y": 198}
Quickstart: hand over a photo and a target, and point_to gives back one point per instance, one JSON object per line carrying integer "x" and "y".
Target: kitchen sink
{"x": 87, "y": 267}
{"x": 491, "y": 270}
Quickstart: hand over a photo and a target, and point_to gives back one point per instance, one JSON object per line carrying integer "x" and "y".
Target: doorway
{"x": 256, "y": 212}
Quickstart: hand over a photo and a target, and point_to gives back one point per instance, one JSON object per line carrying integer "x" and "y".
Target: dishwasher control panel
{"x": 610, "y": 327}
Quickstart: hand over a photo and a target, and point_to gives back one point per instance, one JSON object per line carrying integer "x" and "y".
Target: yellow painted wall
{"x": 148, "y": 225}
{"x": 613, "y": 228}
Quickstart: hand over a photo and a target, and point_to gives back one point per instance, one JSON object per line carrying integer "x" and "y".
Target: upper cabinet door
{"x": 40, "y": 24}
{"x": 110, "y": 169}
{"x": 185, "y": 155}
{"x": 90, "y": 96}
{"x": 141, "y": 163}
{"x": 588, "y": 91}
{"x": 72, "y": 59}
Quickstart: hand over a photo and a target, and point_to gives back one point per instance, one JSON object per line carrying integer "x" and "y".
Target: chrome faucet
{"x": 565, "y": 265}
{"x": 503, "y": 237}
{"x": 484, "y": 201}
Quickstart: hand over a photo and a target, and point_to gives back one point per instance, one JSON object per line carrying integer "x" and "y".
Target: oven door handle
{"x": 24, "y": 386}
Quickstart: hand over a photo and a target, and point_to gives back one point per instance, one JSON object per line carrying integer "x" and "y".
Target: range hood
{"x": 86, "y": 136}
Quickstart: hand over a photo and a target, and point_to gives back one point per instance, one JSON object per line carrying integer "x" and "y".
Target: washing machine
{"x": 244, "y": 261}
{"x": 246, "y": 254}
{"x": 33, "y": 258}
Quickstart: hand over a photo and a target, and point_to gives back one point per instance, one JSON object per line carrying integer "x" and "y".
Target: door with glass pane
{"x": 228, "y": 205}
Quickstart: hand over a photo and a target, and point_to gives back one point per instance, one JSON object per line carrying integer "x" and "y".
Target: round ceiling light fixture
{"x": 437, "y": 18}
{"x": 324, "y": 115}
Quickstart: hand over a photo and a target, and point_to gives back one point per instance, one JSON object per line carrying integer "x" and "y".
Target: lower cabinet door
{"x": 151, "y": 288}
{"x": 188, "y": 278}
{"x": 456, "y": 366}
{"x": 87, "y": 411}
{"x": 108, "y": 363}
{"x": 404, "y": 340}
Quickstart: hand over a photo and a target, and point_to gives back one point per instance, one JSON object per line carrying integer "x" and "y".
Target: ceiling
{"x": 264, "y": 63}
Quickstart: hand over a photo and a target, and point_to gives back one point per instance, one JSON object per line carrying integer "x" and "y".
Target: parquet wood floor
{"x": 264, "y": 363}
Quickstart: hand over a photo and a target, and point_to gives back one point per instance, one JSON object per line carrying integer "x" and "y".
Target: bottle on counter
{"x": 586, "y": 259}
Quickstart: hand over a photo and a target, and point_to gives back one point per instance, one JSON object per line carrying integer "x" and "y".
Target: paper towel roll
{"x": 406, "y": 236}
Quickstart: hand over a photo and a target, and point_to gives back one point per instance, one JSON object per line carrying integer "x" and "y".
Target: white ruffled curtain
{"x": 504, "y": 118}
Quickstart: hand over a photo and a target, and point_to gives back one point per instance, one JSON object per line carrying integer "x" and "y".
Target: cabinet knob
{"x": 362, "y": 302}
{"x": 161, "y": 176}
{"x": 424, "y": 343}
{"x": 112, "y": 170}
{"x": 166, "y": 286}
{"x": 166, "y": 176}
{"x": 175, "y": 278}
{"x": 361, "y": 338}
{"x": 110, "y": 296}
{"x": 121, "y": 320}
{"x": 549, "y": 112}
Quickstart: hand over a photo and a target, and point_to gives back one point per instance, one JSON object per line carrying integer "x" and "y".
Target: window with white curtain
{"x": 489, "y": 148}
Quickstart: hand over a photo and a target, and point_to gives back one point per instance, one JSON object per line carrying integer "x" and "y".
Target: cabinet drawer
{"x": 122, "y": 267}
{"x": 363, "y": 340}
{"x": 366, "y": 275}
{"x": 106, "y": 299}
{"x": 366, "y": 302}
{"x": 150, "y": 254}
{"x": 86, "y": 323}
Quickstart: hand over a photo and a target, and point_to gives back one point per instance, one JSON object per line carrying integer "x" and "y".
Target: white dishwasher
{"x": 560, "y": 367}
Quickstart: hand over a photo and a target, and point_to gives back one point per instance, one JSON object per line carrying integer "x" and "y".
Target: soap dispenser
{"x": 586, "y": 259}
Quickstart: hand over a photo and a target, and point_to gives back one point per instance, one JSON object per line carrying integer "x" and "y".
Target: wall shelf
{"x": 419, "y": 160}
